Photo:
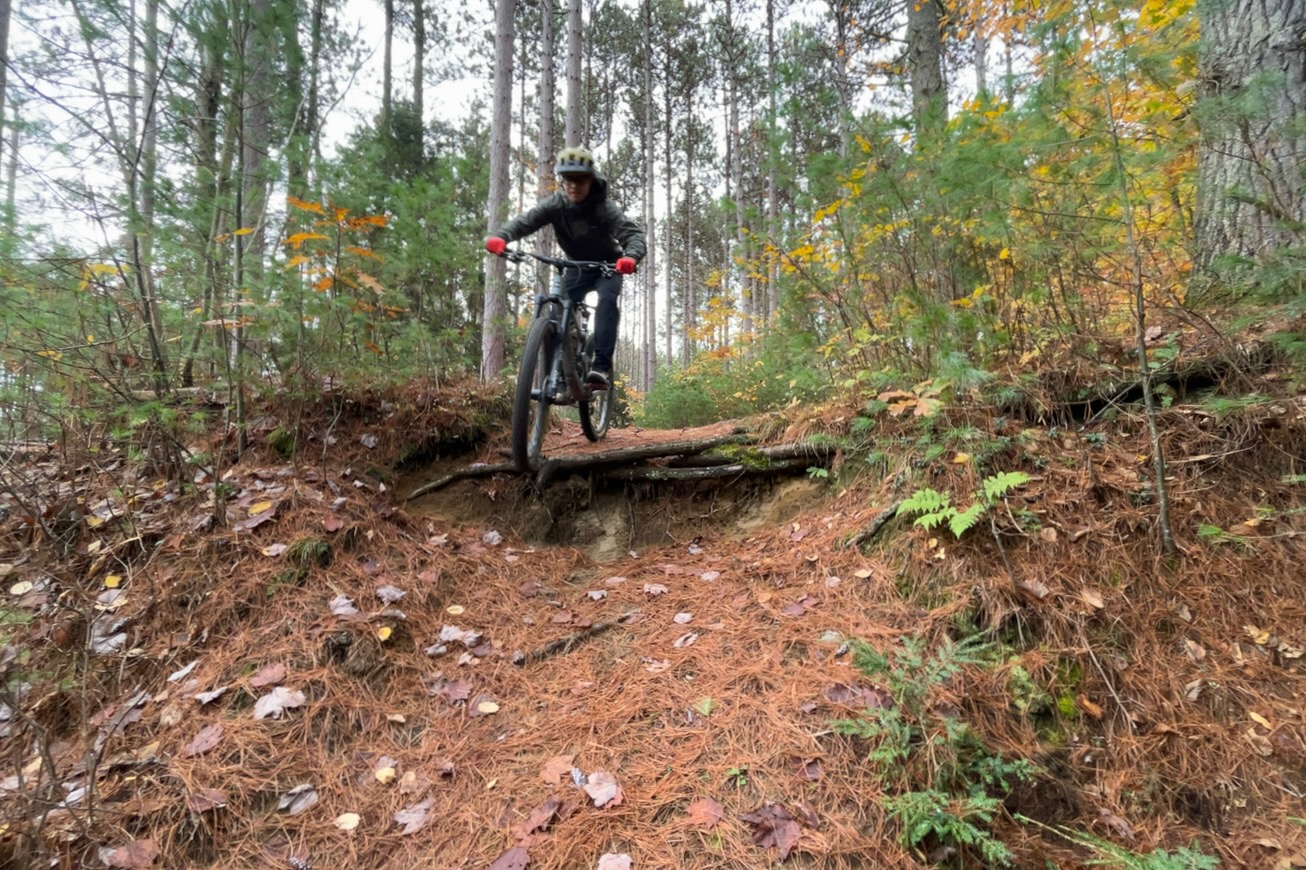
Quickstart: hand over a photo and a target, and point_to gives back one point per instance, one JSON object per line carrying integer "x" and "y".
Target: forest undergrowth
{"x": 288, "y": 665}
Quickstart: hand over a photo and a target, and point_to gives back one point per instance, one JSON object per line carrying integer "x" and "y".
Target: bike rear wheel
{"x": 530, "y": 403}
{"x": 594, "y": 411}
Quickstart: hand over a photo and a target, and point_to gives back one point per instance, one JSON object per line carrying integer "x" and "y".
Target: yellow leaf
{"x": 297, "y": 260}
{"x": 113, "y": 581}
{"x": 384, "y": 632}
{"x": 455, "y": 610}
{"x": 1261, "y": 720}
{"x": 1004, "y": 254}
{"x": 259, "y": 507}
{"x": 90, "y": 339}
{"x": 1260, "y": 637}
{"x": 961, "y": 458}
{"x": 94, "y": 522}
{"x": 243, "y": 231}
{"x": 385, "y": 775}
{"x": 299, "y": 238}
{"x": 295, "y": 202}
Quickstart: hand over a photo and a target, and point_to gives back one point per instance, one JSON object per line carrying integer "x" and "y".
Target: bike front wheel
{"x": 530, "y": 404}
{"x": 594, "y": 411}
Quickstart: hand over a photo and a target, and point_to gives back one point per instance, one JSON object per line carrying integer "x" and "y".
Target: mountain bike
{"x": 558, "y": 353}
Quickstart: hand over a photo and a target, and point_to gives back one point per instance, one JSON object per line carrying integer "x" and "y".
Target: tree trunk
{"x": 649, "y": 266}
{"x": 387, "y": 65}
{"x": 575, "y": 52}
{"x": 772, "y": 207}
{"x": 548, "y": 90}
{"x": 843, "y": 84}
{"x": 668, "y": 128}
{"x": 419, "y": 70}
{"x": 1253, "y": 76}
{"x": 495, "y": 306}
{"x": 6, "y": 12}
{"x": 925, "y": 65}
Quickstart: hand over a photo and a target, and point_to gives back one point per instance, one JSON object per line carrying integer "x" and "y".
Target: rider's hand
{"x": 495, "y": 245}
{"x": 626, "y": 266}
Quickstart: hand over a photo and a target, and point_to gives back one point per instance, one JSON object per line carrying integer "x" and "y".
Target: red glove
{"x": 495, "y": 245}
{"x": 626, "y": 266}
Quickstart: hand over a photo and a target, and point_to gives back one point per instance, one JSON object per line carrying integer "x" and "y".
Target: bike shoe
{"x": 598, "y": 380}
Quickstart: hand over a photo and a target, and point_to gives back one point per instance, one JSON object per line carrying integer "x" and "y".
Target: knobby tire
{"x": 530, "y": 414}
{"x": 594, "y": 410}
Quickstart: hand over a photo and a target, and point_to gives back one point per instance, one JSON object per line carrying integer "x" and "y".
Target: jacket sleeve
{"x": 524, "y": 224}
{"x": 627, "y": 233}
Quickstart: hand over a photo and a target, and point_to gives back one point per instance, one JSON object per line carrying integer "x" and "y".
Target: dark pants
{"x": 606, "y": 314}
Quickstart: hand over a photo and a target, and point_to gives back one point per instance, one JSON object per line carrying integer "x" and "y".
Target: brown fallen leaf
{"x": 515, "y": 858}
{"x": 1033, "y": 589}
{"x": 205, "y": 799}
{"x": 268, "y": 675}
{"x": 413, "y": 818}
{"x": 204, "y": 741}
{"x": 1083, "y": 703}
{"x": 556, "y": 768}
{"x": 1115, "y": 823}
{"x": 138, "y": 853}
{"x": 604, "y": 789}
{"x": 705, "y": 813}
{"x": 809, "y": 770}
{"x": 541, "y": 817}
{"x": 773, "y": 825}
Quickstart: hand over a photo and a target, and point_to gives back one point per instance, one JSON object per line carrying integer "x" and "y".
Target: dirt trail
{"x": 649, "y": 670}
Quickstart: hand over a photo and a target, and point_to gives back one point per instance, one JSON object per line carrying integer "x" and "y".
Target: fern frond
{"x": 998, "y": 485}
{"x": 967, "y": 518}
{"x": 924, "y": 501}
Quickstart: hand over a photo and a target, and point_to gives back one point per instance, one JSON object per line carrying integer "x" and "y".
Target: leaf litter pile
{"x": 332, "y": 679}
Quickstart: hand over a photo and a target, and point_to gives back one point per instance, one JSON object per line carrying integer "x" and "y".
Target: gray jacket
{"x": 593, "y": 229}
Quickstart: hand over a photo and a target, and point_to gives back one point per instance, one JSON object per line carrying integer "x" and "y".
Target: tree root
{"x": 566, "y": 643}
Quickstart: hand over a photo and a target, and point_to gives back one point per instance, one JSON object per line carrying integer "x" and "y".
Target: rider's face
{"x": 577, "y": 187}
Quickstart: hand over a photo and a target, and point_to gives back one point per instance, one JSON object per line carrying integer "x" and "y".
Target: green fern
{"x": 962, "y": 521}
{"x": 937, "y": 777}
{"x": 1184, "y": 858}
{"x": 925, "y": 501}
{"x": 999, "y": 485}
{"x": 934, "y": 507}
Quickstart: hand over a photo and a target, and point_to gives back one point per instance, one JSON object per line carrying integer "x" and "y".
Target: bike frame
{"x": 564, "y": 313}
{"x": 553, "y": 373}
{"x": 567, "y": 314}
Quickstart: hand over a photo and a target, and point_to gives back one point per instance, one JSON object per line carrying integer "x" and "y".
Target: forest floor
{"x": 287, "y": 663}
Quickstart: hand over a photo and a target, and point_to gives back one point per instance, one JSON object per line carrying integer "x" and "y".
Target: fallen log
{"x": 664, "y": 473}
{"x": 757, "y": 455}
{"x": 877, "y": 523}
{"x": 566, "y": 643}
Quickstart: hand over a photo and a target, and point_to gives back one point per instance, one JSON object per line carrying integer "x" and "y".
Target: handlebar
{"x": 515, "y": 256}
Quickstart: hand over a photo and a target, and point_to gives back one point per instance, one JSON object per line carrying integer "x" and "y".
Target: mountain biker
{"x": 588, "y": 226}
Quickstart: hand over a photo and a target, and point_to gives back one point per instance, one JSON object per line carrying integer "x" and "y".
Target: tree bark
{"x": 419, "y": 70}
{"x": 387, "y": 64}
{"x": 6, "y": 12}
{"x": 1252, "y": 70}
{"x": 772, "y": 207}
{"x": 925, "y": 65}
{"x": 495, "y": 305}
{"x": 575, "y": 53}
{"x": 649, "y": 266}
